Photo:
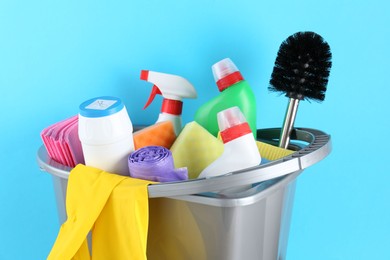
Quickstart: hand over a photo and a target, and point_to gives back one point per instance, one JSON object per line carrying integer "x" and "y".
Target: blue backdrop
{"x": 54, "y": 55}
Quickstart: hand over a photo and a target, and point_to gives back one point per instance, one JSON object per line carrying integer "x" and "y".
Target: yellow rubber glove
{"x": 121, "y": 231}
{"x": 115, "y": 208}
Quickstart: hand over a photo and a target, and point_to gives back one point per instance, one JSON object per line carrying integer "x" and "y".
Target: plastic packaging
{"x": 240, "y": 149}
{"x": 155, "y": 163}
{"x": 173, "y": 88}
{"x": 106, "y": 134}
{"x": 235, "y": 91}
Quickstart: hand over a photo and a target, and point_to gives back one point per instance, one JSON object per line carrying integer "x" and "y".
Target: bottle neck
{"x": 235, "y": 132}
{"x": 171, "y": 106}
{"x": 229, "y": 80}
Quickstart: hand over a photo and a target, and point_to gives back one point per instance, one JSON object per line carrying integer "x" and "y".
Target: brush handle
{"x": 288, "y": 123}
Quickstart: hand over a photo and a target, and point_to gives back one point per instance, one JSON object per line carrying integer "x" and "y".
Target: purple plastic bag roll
{"x": 155, "y": 163}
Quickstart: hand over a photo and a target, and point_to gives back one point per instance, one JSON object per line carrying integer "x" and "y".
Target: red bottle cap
{"x": 173, "y": 107}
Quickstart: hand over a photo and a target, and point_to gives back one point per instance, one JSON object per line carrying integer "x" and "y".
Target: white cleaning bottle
{"x": 173, "y": 88}
{"x": 240, "y": 149}
{"x": 106, "y": 134}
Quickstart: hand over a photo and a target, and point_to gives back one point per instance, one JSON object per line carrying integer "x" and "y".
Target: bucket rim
{"x": 319, "y": 147}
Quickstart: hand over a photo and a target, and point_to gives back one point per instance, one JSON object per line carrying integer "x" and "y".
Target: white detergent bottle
{"x": 240, "y": 149}
{"x": 106, "y": 134}
{"x": 173, "y": 88}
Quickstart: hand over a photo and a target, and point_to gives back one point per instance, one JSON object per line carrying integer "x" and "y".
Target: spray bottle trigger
{"x": 155, "y": 91}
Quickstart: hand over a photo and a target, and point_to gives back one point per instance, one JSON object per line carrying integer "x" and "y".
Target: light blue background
{"x": 56, "y": 54}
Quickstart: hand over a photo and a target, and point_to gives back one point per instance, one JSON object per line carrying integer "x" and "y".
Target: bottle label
{"x": 235, "y": 131}
{"x": 101, "y": 104}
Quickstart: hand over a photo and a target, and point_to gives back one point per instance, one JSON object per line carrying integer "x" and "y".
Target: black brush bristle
{"x": 302, "y": 67}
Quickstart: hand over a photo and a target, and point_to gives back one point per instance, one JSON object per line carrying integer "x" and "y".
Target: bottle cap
{"x": 232, "y": 124}
{"x": 226, "y": 74}
{"x": 101, "y": 106}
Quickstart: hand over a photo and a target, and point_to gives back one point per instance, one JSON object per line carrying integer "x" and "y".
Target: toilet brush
{"x": 301, "y": 71}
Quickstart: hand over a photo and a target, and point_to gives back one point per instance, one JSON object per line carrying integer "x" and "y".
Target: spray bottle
{"x": 173, "y": 88}
{"x": 235, "y": 91}
{"x": 240, "y": 149}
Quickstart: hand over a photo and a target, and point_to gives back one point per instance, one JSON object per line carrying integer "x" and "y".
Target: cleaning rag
{"x": 113, "y": 207}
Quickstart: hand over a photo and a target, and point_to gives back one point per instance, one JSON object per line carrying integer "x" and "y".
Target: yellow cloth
{"x": 114, "y": 207}
{"x": 195, "y": 148}
{"x": 271, "y": 152}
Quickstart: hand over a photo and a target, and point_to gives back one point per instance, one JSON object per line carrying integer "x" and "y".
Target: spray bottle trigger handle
{"x": 155, "y": 91}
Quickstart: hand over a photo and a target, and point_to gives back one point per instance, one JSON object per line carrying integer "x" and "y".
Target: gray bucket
{"x": 187, "y": 221}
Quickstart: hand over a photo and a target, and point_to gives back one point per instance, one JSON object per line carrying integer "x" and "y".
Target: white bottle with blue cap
{"x": 106, "y": 134}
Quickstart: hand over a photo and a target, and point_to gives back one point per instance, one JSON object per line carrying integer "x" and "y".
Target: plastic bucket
{"x": 187, "y": 221}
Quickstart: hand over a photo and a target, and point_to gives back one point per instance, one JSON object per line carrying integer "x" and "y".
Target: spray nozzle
{"x": 169, "y": 86}
{"x": 155, "y": 91}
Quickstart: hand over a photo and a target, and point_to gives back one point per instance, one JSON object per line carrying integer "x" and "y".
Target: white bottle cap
{"x": 230, "y": 117}
{"x": 223, "y": 68}
{"x": 226, "y": 73}
{"x": 232, "y": 124}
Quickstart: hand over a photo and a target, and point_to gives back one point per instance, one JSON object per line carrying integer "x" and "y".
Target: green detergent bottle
{"x": 235, "y": 91}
